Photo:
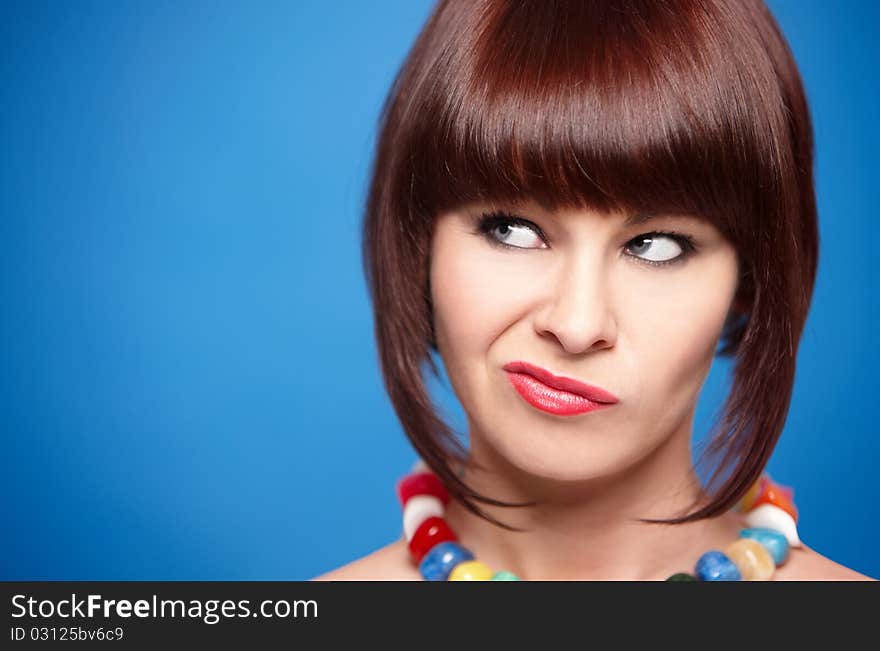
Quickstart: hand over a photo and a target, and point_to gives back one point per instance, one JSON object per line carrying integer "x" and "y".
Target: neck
{"x": 588, "y": 529}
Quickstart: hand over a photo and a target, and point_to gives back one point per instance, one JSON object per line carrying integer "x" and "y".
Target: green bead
{"x": 682, "y": 576}
{"x": 504, "y": 575}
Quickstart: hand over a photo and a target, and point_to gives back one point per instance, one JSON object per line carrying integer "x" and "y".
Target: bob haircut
{"x": 675, "y": 106}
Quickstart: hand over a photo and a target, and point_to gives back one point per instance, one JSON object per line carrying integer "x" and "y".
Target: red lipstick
{"x": 554, "y": 394}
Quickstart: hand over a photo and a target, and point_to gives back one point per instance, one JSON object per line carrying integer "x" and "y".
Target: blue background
{"x": 181, "y": 187}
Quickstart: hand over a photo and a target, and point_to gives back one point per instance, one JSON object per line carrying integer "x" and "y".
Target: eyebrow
{"x": 638, "y": 218}
{"x": 642, "y": 217}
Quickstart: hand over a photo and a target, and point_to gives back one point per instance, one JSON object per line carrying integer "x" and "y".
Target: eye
{"x": 661, "y": 247}
{"x": 508, "y": 230}
{"x": 655, "y": 248}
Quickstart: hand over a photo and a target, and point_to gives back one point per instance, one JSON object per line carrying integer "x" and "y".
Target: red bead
{"x": 421, "y": 483}
{"x": 432, "y": 531}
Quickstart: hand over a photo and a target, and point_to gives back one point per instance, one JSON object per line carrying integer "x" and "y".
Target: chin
{"x": 566, "y": 460}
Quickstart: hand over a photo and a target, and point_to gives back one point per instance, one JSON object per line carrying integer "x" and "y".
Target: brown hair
{"x": 684, "y": 106}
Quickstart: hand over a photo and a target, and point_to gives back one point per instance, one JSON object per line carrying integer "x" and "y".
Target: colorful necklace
{"x": 762, "y": 547}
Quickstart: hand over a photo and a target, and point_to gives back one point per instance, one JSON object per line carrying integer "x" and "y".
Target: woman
{"x": 577, "y": 205}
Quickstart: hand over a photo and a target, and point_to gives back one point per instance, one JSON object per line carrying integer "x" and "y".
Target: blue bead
{"x": 773, "y": 541}
{"x": 439, "y": 561}
{"x": 715, "y": 566}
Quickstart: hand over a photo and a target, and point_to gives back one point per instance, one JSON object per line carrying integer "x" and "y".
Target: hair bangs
{"x": 642, "y": 112}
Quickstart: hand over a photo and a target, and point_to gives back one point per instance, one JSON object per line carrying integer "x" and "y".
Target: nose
{"x": 577, "y": 311}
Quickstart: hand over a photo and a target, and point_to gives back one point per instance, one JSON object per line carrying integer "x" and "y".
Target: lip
{"x": 555, "y": 394}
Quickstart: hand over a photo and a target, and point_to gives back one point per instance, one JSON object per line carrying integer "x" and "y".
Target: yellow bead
{"x": 748, "y": 500}
{"x": 753, "y": 560}
{"x": 471, "y": 571}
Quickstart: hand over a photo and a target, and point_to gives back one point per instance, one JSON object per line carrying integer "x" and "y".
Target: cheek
{"x": 476, "y": 295}
{"x": 679, "y": 324}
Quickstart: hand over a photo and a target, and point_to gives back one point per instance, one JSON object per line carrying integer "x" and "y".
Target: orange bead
{"x": 777, "y": 495}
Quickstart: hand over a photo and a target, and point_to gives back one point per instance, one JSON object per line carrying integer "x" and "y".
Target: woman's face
{"x": 576, "y": 294}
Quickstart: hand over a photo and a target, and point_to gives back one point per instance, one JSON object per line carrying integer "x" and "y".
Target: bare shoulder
{"x": 806, "y": 564}
{"x": 393, "y": 563}
{"x": 389, "y": 563}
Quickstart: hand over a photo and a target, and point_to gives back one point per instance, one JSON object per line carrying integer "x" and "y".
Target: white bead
{"x": 418, "y": 508}
{"x": 772, "y": 517}
{"x": 419, "y": 466}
